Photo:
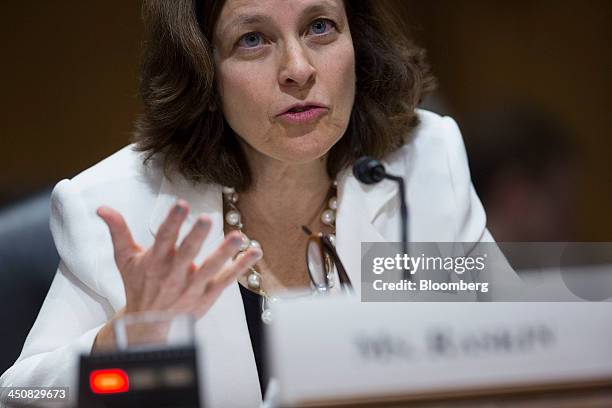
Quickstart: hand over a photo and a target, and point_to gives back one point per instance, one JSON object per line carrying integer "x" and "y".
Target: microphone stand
{"x": 404, "y": 216}
{"x": 371, "y": 171}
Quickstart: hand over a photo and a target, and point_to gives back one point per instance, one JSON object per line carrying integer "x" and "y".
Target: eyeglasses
{"x": 321, "y": 258}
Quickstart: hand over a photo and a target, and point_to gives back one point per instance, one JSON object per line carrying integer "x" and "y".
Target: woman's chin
{"x": 302, "y": 151}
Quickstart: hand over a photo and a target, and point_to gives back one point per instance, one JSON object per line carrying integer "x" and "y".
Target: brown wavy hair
{"x": 177, "y": 87}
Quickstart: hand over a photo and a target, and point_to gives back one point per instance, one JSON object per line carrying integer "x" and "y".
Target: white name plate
{"x": 337, "y": 348}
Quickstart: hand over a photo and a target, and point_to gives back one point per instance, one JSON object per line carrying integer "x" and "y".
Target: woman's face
{"x": 273, "y": 54}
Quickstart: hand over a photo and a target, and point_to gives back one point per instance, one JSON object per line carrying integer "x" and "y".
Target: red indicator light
{"x": 109, "y": 381}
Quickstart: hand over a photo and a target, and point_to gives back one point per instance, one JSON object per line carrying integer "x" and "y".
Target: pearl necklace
{"x": 254, "y": 279}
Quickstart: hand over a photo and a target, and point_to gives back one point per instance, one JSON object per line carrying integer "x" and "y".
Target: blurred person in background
{"x": 522, "y": 163}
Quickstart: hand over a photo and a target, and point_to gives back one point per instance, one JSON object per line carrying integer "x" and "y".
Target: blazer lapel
{"x": 226, "y": 353}
{"x": 366, "y": 213}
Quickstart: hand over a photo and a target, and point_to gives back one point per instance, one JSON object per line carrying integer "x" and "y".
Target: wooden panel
{"x": 70, "y": 80}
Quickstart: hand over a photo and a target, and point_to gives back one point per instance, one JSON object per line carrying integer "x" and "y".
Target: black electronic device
{"x": 152, "y": 378}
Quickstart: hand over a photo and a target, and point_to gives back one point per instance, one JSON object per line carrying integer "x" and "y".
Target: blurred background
{"x": 529, "y": 83}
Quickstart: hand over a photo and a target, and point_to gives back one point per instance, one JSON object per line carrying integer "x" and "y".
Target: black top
{"x": 252, "y": 309}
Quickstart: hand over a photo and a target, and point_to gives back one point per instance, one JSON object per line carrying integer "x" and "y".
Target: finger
{"x": 167, "y": 234}
{"x": 123, "y": 243}
{"x": 215, "y": 286}
{"x": 230, "y": 274}
{"x": 190, "y": 246}
{"x": 228, "y": 248}
{"x": 214, "y": 263}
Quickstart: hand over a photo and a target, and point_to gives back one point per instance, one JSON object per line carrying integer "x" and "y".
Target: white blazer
{"x": 87, "y": 289}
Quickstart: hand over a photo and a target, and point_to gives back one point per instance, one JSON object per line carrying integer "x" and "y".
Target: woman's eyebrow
{"x": 243, "y": 20}
{"x": 321, "y": 7}
{"x": 251, "y": 19}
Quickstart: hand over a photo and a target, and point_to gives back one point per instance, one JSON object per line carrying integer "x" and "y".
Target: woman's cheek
{"x": 343, "y": 81}
{"x": 339, "y": 61}
{"x": 242, "y": 97}
{"x": 348, "y": 73}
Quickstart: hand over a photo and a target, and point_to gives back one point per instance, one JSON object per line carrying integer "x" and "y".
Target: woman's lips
{"x": 310, "y": 114}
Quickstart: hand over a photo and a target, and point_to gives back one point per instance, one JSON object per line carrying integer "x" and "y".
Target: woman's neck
{"x": 285, "y": 196}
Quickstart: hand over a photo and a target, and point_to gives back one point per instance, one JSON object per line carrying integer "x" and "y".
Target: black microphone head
{"x": 368, "y": 170}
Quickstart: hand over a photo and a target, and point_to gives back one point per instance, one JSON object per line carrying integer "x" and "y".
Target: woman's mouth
{"x": 301, "y": 115}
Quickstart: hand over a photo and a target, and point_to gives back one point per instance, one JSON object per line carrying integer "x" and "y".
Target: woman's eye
{"x": 321, "y": 26}
{"x": 250, "y": 40}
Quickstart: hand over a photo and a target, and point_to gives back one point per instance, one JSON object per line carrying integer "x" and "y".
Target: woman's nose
{"x": 296, "y": 68}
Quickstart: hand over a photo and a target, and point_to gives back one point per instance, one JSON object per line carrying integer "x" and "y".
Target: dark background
{"x": 69, "y": 73}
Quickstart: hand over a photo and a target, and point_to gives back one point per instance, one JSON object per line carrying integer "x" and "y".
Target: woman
{"x": 269, "y": 102}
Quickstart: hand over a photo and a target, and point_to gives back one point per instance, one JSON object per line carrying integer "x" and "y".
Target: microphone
{"x": 369, "y": 170}
{"x": 372, "y": 171}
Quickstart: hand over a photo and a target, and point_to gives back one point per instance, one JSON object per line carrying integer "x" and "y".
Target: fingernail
{"x": 202, "y": 223}
{"x": 178, "y": 209}
{"x": 256, "y": 254}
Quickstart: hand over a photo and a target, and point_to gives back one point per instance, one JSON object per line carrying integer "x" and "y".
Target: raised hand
{"x": 164, "y": 277}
